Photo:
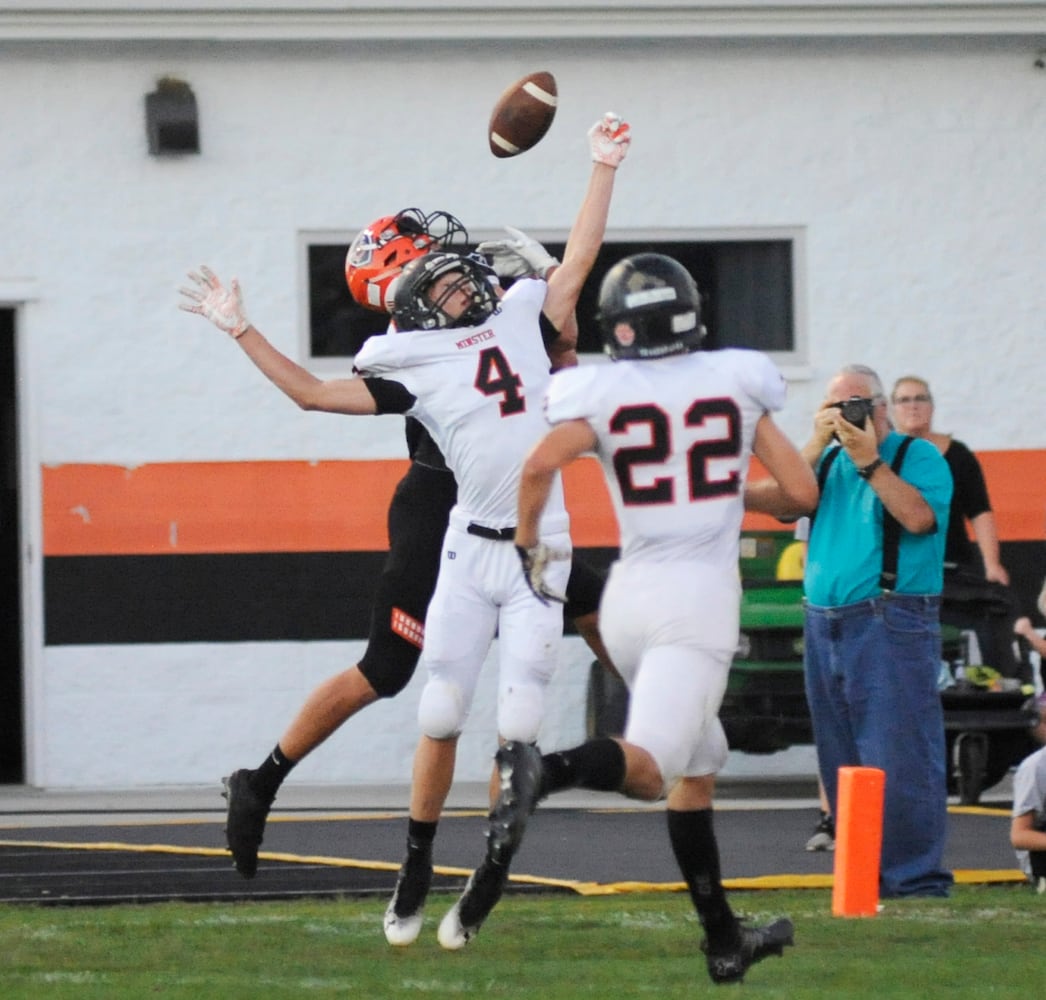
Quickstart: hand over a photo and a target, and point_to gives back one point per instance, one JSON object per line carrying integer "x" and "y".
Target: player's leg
{"x": 417, "y": 522}
{"x": 529, "y": 639}
{"x": 462, "y": 621}
{"x": 604, "y": 764}
{"x": 433, "y": 774}
{"x": 676, "y": 698}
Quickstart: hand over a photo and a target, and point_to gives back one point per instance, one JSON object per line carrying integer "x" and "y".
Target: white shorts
{"x": 672, "y": 631}
{"x": 481, "y": 592}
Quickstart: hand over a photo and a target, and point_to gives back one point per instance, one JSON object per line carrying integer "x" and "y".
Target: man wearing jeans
{"x": 872, "y": 629}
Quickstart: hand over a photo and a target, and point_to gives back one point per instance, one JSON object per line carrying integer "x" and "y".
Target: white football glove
{"x": 535, "y": 561}
{"x": 518, "y": 257}
{"x": 212, "y": 300}
{"x": 609, "y": 139}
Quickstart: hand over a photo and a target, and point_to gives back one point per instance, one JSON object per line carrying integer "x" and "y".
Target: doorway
{"x": 12, "y": 722}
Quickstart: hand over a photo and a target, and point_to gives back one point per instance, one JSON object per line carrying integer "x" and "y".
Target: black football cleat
{"x": 753, "y": 945}
{"x": 519, "y": 771}
{"x": 244, "y": 821}
{"x": 466, "y": 916}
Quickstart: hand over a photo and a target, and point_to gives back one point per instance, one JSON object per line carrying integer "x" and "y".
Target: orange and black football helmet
{"x": 379, "y": 252}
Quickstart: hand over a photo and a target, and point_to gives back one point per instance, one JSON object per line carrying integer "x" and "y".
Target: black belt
{"x": 494, "y": 534}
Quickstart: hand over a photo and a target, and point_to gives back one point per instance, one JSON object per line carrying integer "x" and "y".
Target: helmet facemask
{"x": 379, "y": 252}
{"x": 416, "y": 309}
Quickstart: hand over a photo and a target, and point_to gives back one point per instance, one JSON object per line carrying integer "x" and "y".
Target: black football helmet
{"x": 649, "y": 307}
{"x": 414, "y": 309}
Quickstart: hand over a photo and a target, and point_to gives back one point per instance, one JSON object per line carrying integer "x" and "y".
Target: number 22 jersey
{"x": 674, "y": 438}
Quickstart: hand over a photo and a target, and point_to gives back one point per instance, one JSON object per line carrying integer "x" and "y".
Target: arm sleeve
{"x": 549, "y": 333}
{"x": 761, "y": 379}
{"x": 928, "y": 472}
{"x": 390, "y": 396}
{"x": 572, "y": 394}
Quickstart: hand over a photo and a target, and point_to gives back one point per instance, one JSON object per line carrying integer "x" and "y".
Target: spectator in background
{"x": 792, "y": 566}
{"x": 1024, "y": 628}
{"x": 872, "y": 622}
{"x": 976, "y": 595}
{"x": 1036, "y": 643}
{"x": 1028, "y": 827}
{"x": 912, "y": 413}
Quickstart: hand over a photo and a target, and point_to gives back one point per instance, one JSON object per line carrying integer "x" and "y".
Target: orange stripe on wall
{"x": 194, "y": 507}
{"x": 1017, "y": 489}
{"x": 288, "y": 506}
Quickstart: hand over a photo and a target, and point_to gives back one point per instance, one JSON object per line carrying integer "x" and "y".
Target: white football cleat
{"x": 402, "y": 931}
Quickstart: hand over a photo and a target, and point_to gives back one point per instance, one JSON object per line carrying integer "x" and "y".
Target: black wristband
{"x": 867, "y": 471}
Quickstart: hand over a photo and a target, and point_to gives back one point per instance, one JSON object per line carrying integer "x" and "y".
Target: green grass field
{"x": 985, "y": 941}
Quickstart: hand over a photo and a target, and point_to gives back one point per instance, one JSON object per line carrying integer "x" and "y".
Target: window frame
{"x": 794, "y": 363}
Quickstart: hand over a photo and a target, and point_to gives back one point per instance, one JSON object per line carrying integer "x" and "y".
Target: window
{"x": 748, "y": 290}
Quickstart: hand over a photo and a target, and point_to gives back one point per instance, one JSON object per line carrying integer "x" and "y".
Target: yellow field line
{"x": 796, "y": 881}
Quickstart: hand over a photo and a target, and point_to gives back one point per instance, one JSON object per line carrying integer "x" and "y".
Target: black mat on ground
{"x": 561, "y": 844}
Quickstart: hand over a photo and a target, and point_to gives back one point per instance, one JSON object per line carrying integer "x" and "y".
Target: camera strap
{"x": 891, "y": 526}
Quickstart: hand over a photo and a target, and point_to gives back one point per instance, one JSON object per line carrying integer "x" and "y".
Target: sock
{"x": 420, "y": 837}
{"x": 598, "y": 765}
{"x": 267, "y": 779}
{"x": 697, "y": 854}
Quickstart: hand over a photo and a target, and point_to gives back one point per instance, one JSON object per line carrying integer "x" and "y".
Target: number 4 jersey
{"x": 478, "y": 391}
{"x": 675, "y": 437}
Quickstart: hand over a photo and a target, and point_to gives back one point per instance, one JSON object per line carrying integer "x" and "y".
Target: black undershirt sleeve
{"x": 549, "y": 334}
{"x": 389, "y": 396}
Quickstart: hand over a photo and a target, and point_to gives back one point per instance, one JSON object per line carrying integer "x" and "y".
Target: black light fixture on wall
{"x": 171, "y": 121}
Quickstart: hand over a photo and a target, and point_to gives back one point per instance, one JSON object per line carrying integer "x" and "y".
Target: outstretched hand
{"x": 609, "y": 140}
{"x": 212, "y": 300}
{"x": 535, "y": 560}
{"x": 520, "y": 256}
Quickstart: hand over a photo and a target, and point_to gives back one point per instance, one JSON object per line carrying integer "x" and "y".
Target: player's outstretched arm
{"x": 209, "y": 298}
{"x": 609, "y": 141}
{"x": 790, "y": 491}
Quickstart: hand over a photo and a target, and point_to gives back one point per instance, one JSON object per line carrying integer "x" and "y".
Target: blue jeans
{"x": 871, "y": 683}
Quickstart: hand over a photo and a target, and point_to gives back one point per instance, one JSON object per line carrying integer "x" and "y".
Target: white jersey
{"x": 478, "y": 392}
{"x": 675, "y": 438}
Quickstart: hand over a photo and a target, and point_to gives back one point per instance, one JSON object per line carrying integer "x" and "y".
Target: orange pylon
{"x": 858, "y": 841}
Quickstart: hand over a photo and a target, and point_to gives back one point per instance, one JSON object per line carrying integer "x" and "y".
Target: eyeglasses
{"x": 922, "y": 397}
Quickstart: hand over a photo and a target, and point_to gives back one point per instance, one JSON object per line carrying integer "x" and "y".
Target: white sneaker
{"x": 823, "y": 838}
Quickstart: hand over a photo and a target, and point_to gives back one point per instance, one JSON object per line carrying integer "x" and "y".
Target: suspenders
{"x": 891, "y": 526}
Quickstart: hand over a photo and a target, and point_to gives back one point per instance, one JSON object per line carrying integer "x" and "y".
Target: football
{"x": 522, "y": 115}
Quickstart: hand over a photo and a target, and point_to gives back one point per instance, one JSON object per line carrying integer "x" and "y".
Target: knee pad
{"x": 520, "y": 708}
{"x": 441, "y": 711}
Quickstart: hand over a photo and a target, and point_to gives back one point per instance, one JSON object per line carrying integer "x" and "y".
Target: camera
{"x": 856, "y": 410}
